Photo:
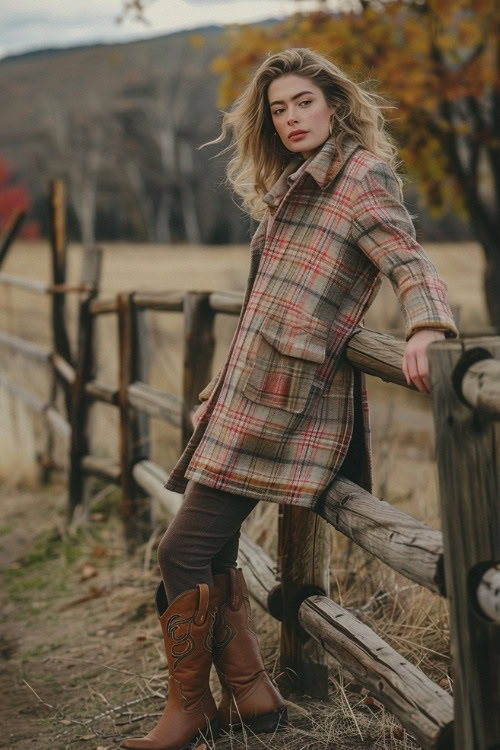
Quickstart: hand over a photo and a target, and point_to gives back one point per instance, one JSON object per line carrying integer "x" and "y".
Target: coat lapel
{"x": 323, "y": 168}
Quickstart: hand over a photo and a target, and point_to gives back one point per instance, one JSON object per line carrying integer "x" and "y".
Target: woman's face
{"x": 300, "y": 113}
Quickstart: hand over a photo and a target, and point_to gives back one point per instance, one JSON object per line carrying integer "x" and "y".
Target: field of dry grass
{"x": 108, "y": 647}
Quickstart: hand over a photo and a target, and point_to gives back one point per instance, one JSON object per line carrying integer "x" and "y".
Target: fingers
{"x": 416, "y": 370}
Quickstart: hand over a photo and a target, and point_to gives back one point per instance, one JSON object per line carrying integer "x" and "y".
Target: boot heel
{"x": 270, "y": 722}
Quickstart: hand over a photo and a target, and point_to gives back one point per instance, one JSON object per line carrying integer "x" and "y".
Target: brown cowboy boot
{"x": 248, "y": 694}
{"x": 187, "y": 626}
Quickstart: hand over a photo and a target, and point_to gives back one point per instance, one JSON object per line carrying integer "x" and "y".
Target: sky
{"x": 35, "y": 24}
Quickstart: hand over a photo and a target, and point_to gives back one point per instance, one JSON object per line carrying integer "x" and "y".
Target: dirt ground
{"x": 81, "y": 649}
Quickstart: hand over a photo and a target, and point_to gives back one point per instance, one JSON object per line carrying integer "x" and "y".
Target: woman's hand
{"x": 415, "y": 362}
{"x": 197, "y": 415}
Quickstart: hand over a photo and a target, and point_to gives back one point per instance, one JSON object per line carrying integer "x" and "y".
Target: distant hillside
{"x": 121, "y": 89}
{"x": 122, "y": 123}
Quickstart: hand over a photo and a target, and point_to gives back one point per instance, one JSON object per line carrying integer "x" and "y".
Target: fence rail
{"x": 462, "y": 561}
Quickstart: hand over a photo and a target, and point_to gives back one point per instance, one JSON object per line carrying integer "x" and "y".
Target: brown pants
{"x": 203, "y": 537}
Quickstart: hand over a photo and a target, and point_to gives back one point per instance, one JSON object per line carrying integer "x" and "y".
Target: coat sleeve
{"x": 382, "y": 228}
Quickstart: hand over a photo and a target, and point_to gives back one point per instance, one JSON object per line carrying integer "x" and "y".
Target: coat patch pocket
{"x": 287, "y": 356}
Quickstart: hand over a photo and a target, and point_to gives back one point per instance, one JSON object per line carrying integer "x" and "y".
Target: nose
{"x": 292, "y": 119}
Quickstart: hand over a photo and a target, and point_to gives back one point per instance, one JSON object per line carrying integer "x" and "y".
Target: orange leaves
{"x": 197, "y": 41}
{"x": 418, "y": 56}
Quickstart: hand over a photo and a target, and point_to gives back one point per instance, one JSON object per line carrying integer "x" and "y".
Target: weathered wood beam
{"x": 152, "y": 479}
{"x": 172, "y": 301}
{"x": 41, "y": 287}
{"x": 34, "y": 402}
{"x": 377, "y": 354}
{"x": 99, "y": 391}
{"x": 399, "y": 540}
{"x": 424, "y": 709}
{"x": 156, "y": 403}
{"x": 28, "y": 348}
{"x": 103, "y": 306}
{"x": 63, "y": 368}
{"x": 226, "y": 302}
{"x": 10, "y": 279}
{"x": 58, "y": 422}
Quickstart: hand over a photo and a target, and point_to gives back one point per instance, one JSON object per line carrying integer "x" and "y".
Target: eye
{"x": 277, "y": 111}
{"x": 305, "y": 101}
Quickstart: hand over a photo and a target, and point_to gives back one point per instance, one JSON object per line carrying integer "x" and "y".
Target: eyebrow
{"x": 279, "y": 101}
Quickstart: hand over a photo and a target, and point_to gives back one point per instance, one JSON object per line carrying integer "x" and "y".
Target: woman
{"x": 286, "y": 411}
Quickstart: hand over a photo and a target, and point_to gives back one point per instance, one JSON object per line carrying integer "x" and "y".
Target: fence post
{"x": 9, "y": 233}
{"x": 60, "y": 341}
{"x": 304, "y": 546}
{"x": 199, "y": 345}
{"x": 84, "y": 372}
{"x": 467, "y": 443}
{"x": 134, "y": 426}
{"x": 58, "y": 252}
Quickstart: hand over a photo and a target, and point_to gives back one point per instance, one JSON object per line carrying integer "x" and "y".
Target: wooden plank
{"x": 227, "y": 302}
{"x": 260, "y": 573}
{"x": 156, "y": 403}
{"x": 40, "y": 287}
{"x": 101, "y": 467}
{"x": 399, "y": 540}
{"x": 152, "y": 479}
{"x": 134, "y": 429}
{"x": 10, "y": 232}
{"x": 199, "y": 345}
{"x": 467, "y": 443}
{"x": 173, "y": 300}
{"x": 104, "y": 306}
{"x": 10, "y": 279}
{"x": 377, "y": 354}
{"x": 63, "y": 368}
{"x": 34, "y": 402}
{"x": 99, "y": 391}
{"x": 303, "y": 664}
{"x": 425, "y": 709}
{"x": 58, "y": 423}
{"x": 27, "y": 348}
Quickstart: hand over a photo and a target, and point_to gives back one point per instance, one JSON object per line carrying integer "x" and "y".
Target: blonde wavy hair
{"x": 258, "y": 154}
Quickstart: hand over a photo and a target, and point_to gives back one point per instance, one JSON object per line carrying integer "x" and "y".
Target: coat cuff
{"x": 450, "y": 331}
{"x": 207, "y": 391}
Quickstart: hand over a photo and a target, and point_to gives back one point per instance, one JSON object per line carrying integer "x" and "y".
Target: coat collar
{"x": 323, "y": 168}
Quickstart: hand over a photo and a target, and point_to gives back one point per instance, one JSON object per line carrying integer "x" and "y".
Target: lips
{"x": 296, "y": 134}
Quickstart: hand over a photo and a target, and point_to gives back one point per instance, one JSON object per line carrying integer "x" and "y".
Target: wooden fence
{"x": 461, "y": 562}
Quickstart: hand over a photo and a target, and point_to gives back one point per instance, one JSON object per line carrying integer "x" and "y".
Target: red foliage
{"x": 14, "y": 197}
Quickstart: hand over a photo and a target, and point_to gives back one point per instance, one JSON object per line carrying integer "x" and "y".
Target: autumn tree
{"x": 438, "y": 62}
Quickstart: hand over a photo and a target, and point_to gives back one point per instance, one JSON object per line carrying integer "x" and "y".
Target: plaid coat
{"x": 286, "y": 405}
